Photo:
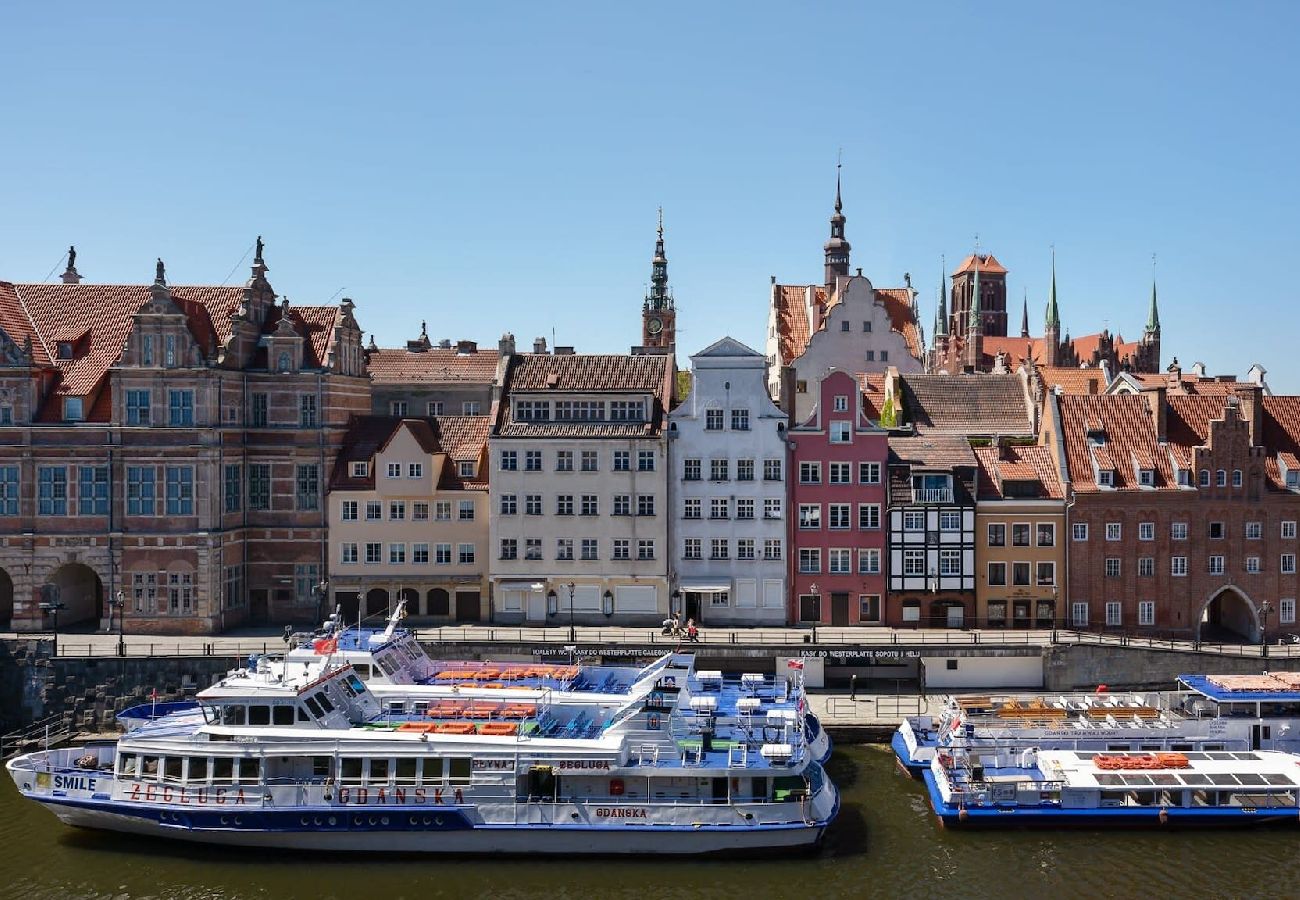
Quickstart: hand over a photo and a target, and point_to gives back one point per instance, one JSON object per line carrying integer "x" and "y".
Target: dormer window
{"x": 1105, "y": 478}
{"x": 360, "y": 469}
{"x": 1185, "y": 477}
{"x": 467, "y": 468}
{"x": 1097, "y": 437}
{"x": 73, "y": 409}
{"x": 1293, "y": 480}
{"x": 65, "y": 349}
{"x": 1146, "y": 477}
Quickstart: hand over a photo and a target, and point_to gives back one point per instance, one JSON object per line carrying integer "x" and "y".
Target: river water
{"x": 884, "y": 844}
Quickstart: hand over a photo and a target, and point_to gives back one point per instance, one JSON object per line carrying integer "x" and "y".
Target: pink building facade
{"x": 837, "y": 511}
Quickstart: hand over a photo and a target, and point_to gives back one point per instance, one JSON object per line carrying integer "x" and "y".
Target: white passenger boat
{"x": 1205, "y": 713}
{"x": 315, "y": 761}
{"x": 1070, "y": 787}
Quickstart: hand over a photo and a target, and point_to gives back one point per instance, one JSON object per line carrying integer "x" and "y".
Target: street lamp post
{"x": 322, "y": 594}
{"x": 573, "y": 631}
{"x": 1264, "y": 609}
{"x": 119, "y": 603}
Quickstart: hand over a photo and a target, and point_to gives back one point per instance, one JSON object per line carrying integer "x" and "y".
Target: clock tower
{"x": 658, "y": 312}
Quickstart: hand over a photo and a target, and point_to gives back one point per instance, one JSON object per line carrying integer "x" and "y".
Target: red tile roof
{"x": 931, "y": 451}
{"x": 1014, "y": 348}
{"x": 873, "y": 393}
{"x": 1125, "y": 420}
{"x": 459, "y": 437}
{"x": 902, "y": 318}
{"x": 437, "y": 365}
{"x": 99, "y": 318}
{"x": 588, "y": 374}
{"x": 792, "y": 326}
{"x": 1073, "y": 380}
{"x": 966, "y": 404}
{"x": 1021, "y": 464}
{"x": 988, "y": 265}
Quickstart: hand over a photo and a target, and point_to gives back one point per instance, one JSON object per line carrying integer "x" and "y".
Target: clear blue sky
{"x": 498, "y": 167}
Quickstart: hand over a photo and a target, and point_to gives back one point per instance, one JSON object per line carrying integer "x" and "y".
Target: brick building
{"x": 172, "y": 443}
{"x": 1184, "y": 511}
{"x": 837, "y": 508}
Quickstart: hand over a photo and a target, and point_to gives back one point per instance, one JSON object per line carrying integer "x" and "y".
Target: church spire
{"x": 941, "y": 313}
{"x": 658, "y": 298}
{"x": 975, "y": 320}
{"x": 1053, "y": 314}
{"x": 837, "y": 248}
{"x": 1024, "y": 316}
{"x": 1153, "y": 315}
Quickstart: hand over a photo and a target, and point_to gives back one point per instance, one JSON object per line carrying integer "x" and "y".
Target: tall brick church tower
{"x": 992, "y": 302}
{"x": 659, "y": 312}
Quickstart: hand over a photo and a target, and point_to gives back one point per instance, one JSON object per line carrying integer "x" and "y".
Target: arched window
{"x": 285, "y": 363}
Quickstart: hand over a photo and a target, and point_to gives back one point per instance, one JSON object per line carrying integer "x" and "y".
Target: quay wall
{"x": 1084, "y": 666}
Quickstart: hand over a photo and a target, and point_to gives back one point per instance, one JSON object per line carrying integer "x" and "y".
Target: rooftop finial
{"x": 72, "y": 257}
{"x": 1153, "y": 314}
{"x": 257, "y": 253}
{"x": 661, "y": 223}
{"x": 424, "y": 329}
{"x": 160, "y": 273}
{"x": 70, "y": 274}
{"x": 839, "y": 164}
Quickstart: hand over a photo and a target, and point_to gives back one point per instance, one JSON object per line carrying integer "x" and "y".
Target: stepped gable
{"x": 966, "y": 404}
{"x": 1019, "y": 464}
{"x": 437, "y": 365}
{"x": 1123, "y": 422}
{"x": 583, "y": 374}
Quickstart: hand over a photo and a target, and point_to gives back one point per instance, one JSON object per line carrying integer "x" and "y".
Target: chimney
{"x": 563, "y": 351}
{"x": 506, "y": 346}
{"x": 539, "y": 345}
{"x": 1251, "y": 398}
{"x": 444, "y": 344}
{"x": 465, "y": 348}
{"x": 1156, "y": 400}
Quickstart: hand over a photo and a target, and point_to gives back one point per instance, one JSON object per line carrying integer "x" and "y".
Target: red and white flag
{"x": 794, "y": 664}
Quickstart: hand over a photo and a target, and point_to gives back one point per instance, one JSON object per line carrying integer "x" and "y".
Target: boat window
{"x": 421, "y": 708}
{"x": 354, "y": 682}
{"x": 433, "y": 770}
{"x": 322, "y": 766}
{"x": 325, "y": 702}
{"x": 1212, "y": 747}
{"x": 405, "y": 771}
{"x": 1180, "y": 747}
{"x": 232, "y": 715}
{"x": 198, "y": 769}
{"x": 362, "y": 669}
{"x": 222, "y": 770}
{"x": 313, "y": 706}
{"x": 128, "y": 765}
{"x": 249, "y": 771}
{"x": 172, "y": 766}
{"x": 349, "y": 771}
{"x": 151, "y": 767}
{"x": 459, "y": 770}
{"x": 396, "y": 707}
{"x": 282, "y": 715}
{"x": 379, "y": 771}
{"x": 259, "y": 715}
{"x": 345, "y": 687}
{"x": 1117, "y": 746}
{"x": 302, "y": 714}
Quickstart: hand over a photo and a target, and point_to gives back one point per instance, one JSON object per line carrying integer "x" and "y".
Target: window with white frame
{"x": 1079, "y": 614}
{"x": 1146, "y": 612}
{"x": 374, "y": 510}
{"x": 1046, "y": 574}
{"x": 744, "y": 509}
{"x": 841, "y": 562}
{"x": 841, "y": 403}
{"x": 719, "y": 508}
{"x": 1288, "y": 530}
{"x": 348, "y": 554}
{"x": 1114, "y": 613}
{"x": 396, "y": 554}
{"x": 719, "y": 470}
{"x": 913, "y": 520}
{"x": 744, "y": 548}
{"x": 691, "y": 508}
{"x": 1286, "y": 611}
{"x": 772, "y": 549}
{"x": 1254, "y": 531}
{"x": 869, "y": 561}
{"x": 420, "y": 554}
{"x": 1046, "y": 536}
{"x": 1020, "y": 573}
{"x": 1221, "y": 478}
{"x": 1146, "y": 567}
{"x": 1146, "y": 531}
{"x": 997, "y": 574}
{"x": 949, "y": 520}
{"x": 713, "y": 420}
{"x": 810, "y": 515}
{"x": 644, "y": 549}
{"x": 1178, "y": 566}
{"x": 1252, "y": 565}
{"x": 1079, "y": 531}
{"x": 1112, "y": 567}
{"x": 840, "y": 473}
{"x": 772, "y": 470}
{"x": 810, "y": 473}
{"x": 869, "y": 473}
{"x": 394, "y": 470}
{"x": 509, "y": 504}
{"x": 740, "y": 420}
{"x": 348, "y": 509}
{"x": 913, "y": 562}
{"x": 415, "y": 470}
{"x": 810, "y": 560}
{"x": 839, "y": 515}
{"x": 442, "y": 553}
{"x": 1178, "y": 531}
{"x": 374, "y": 553}
{"x": 1114, "y": 530}
{"x": 396, "y": 510}
{"x": 590, "y": 549}
{"x": 949, "y": 562}
{"x": 1288, "y": 563}
{"x": 869, "y": 516}
{"x": 465, "y": 553}
{"x": 840, "y": 432}
{"x": 360, "y": 469}
{"x": 1215, "y": 566}
{"x": 772, "y": 508}
{"x": 1236, "y": 477}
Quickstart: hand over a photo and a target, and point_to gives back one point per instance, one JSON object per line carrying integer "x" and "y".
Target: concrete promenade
{"x": 592, "y": 640}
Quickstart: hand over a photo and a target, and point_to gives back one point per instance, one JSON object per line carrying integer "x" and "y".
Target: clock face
{"x": 654, "y": 326}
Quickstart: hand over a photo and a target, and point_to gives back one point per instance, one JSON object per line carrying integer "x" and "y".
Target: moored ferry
{"x": 1070, "y": 787}
{"x": 316, "y": 761}
{"x": 1205, "y": 713}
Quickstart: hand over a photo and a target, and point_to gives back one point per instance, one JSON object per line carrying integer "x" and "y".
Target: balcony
{"x": 932, "y": 495}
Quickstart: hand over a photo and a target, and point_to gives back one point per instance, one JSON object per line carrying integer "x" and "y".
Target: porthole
{"x": 383, "y": 820}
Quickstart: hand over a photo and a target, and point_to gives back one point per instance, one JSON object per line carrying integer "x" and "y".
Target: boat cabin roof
{"x": 1258, "y": 769}
{"x": 1274, "y": 687}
